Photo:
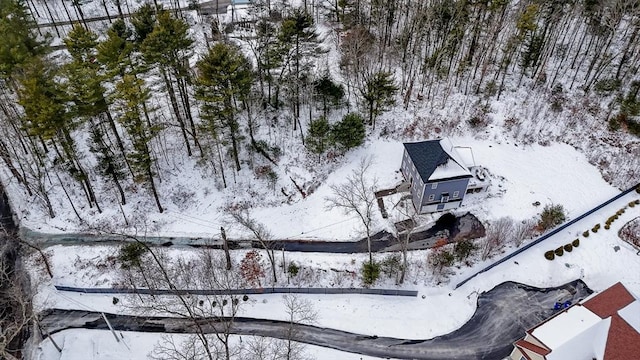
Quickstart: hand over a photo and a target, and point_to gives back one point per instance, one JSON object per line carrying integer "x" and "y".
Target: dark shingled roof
{"x": 427, "y": 156}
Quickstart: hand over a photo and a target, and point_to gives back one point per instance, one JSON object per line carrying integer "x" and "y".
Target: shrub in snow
{"x": 131, "y": 254}
{"x": 638, "y": 190}
{"x": 607, "y": 227}
{"x": 559, "y": 251}
{"x": 586, "y": 233}
{"x": 440, "y": 259}
{"x": 391, "y": 265}
{"x": 606, "y": 86}
{"x": 293, "y": 269}
{"x": 632, "y": 204}
{"x": 637, "y": 202}
{"x": 463, "y": 249}
{"x": 575, "y": 243}
{"x": 552, "y": 216}
{"x": 370, "y": 273}
{"x": 568, "y": 247}
{"x": 251, "y": 268}
{"x": 596, "y": 228}
{"x": 549, "y": 255}
{"x": 318, "y": 135}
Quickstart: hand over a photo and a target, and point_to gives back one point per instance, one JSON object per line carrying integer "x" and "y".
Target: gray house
{"x": 436, "y": 174}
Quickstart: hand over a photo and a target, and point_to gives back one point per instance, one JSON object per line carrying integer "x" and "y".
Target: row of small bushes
{"x": 618, "y": 213}
{"x": 551, "y": 254}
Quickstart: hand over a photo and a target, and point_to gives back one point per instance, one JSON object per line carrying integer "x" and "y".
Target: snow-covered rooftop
{"x": 588, "y": 343}
{"x": 631, "y": 314}
{"x": 455, "y": 167}
{"x": 565, "y": 326}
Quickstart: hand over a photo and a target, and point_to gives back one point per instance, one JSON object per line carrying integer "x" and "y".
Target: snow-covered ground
{"x": 521, "y": 174}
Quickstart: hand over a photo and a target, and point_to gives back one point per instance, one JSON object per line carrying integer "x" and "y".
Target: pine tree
{"x": 19, "y": 42}
{"x": 47, "y": 118}
{"x": 318, "y": 136}
{"x": 328, "y": 92}
{"x": 130, "y": 97}
{"x": 87, "y": 94}
{"x": 115, "y": 51}
{"x": 298, "y": 34}
{"x": 169, "y": 46}
{"x": 269, "y": 57}
{"x": 143, "y": 22}
{"x": 378, "y": 93}
{"x": 349, "y": 132}
{"x": 224, "y": 78}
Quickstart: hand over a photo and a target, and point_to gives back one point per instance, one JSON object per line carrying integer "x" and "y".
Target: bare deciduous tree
{"x": 497, "y": 234}
{"x": 408, "y": 225}
{"x": 299, "y": 311}
{"x": 261, "y": 234}
{"x": 217, "y": 311}
{"x": 523, "y": 230}
{"x": 15, "y": 303}
{"x": 356, "y": 197}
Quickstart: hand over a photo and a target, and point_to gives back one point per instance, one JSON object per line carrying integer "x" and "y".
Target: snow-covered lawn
{"x": 521, "y": 175}
{"x": 437, "y": 310}
{"x": 553, "y": 174}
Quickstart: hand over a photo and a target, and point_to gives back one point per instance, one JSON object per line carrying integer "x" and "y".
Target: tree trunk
{"x": 174, "y": 106}
{"x": 225, "y": 246}
{"x": 53, "y": 20}
{"x": 153, "y": 189}
{"x": 114, "y": 130}
{"x": 106, "y": 10}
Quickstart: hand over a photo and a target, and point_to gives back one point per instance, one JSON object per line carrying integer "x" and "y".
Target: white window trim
{"x": 432, "y": 197}
{"x": 434, "y": 185}
{"x": 456, "y": 194}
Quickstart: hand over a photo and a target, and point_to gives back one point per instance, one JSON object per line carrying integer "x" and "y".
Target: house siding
{"x": 447, "y": 186}
{"x": 410, "y": 174}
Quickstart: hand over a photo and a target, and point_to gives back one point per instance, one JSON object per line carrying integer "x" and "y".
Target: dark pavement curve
{"x": 502, "y": 316}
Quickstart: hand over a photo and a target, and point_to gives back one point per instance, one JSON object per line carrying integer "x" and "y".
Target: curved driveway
{"x": 502, "y": 316}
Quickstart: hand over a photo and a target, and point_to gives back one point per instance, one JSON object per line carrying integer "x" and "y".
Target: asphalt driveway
{"x": 502, "y": 316}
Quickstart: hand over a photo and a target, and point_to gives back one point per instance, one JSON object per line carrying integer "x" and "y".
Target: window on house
{"x": 432, "y": 197}
{"x": 456, "y": 194}
{"x": 434, "y": 185}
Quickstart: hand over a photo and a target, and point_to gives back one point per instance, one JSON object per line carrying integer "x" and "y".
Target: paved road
{"x": 465, "y": 226}
{"x": 502, "y": 316}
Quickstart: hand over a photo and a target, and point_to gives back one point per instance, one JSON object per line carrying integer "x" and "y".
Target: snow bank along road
{"x": 502, "y": 316}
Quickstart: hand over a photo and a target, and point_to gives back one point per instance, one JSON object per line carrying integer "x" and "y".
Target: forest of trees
{"x": 99, "y": 119}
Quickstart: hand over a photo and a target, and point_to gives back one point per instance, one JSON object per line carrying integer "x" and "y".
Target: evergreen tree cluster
{"x": 139, "y": 93}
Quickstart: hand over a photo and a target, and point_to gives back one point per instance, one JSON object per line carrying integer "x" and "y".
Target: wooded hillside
{"x": 123, "y": 111}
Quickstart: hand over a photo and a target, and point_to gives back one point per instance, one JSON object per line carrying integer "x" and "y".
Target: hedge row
{"x": 551, "y": 254}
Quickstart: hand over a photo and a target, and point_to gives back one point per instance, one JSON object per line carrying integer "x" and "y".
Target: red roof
{"x": 609, "y": 301}
{"x": 623, "y": 342}
{"x": 532, "y": 347}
